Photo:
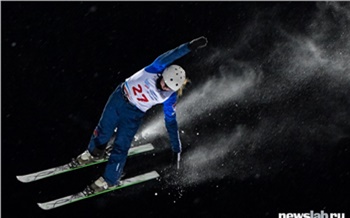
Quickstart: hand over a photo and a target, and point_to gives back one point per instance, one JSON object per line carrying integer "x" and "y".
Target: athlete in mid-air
{"x": 158, "y": 83}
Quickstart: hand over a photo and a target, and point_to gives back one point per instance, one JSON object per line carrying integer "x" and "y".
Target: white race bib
{"x": 141, "y": 90}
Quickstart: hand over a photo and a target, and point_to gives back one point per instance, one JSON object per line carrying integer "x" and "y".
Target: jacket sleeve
{"x": 171, "y": 123}
{"x": 164, "y": 60}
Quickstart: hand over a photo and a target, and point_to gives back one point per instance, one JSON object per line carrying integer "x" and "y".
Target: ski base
{"x": 80, "y": 196}
{"x": 66, "y": 168}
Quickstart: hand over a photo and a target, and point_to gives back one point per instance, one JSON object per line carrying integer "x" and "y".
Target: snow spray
{"x": 294, "y": 97}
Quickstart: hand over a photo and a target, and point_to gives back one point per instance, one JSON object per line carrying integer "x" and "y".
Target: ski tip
{"x": 42, "y": 206}
{"x": 22, "y": 179}
{"x": 152, "y": 175}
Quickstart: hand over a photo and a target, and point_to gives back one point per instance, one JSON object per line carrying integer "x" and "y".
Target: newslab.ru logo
{"x": 322, "y": 214}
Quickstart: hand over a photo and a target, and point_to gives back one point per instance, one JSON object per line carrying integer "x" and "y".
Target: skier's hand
{"x": 198, "y": 43}
{"x": 176, "y": 158}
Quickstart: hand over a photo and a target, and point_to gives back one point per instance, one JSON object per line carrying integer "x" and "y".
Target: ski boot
{"x": 86, "y": 157}
{"x": 98, "y": 186}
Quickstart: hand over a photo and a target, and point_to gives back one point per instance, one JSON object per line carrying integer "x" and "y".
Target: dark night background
{"x": 264, "y": 124}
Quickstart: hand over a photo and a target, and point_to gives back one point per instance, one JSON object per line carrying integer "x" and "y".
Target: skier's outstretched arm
{"x": 164, "y": 60}
{"x": 169, "y": 105}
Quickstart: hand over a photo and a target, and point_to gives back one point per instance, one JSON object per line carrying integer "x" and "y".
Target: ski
{"x": 81, "y": 196}
{"x": 66, "y": 168}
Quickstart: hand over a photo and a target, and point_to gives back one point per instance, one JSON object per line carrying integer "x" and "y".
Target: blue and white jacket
{"x": 142, "y": 91}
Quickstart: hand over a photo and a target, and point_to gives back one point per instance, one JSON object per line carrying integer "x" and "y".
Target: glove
{"x": 197, "y": 43}
{"x": 176, "y": 158}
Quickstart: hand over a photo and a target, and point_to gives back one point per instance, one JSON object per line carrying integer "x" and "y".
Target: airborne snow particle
{"x": 13, "y": 44}
{"x": 93, "y": 9}
{"x": 156, "y": 194}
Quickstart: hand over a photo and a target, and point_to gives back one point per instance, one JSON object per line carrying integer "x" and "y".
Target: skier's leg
{"x": 128, "y": 126}
{"x": 105, "y": 128}
{"x": 103, "y": 132}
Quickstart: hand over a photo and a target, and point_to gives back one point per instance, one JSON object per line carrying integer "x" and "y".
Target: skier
{"x": 155, "y": 84}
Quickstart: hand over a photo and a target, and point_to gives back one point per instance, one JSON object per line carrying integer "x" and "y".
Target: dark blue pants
{"x": 118, "y": 113}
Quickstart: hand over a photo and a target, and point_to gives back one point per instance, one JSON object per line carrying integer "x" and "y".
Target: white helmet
{"x": 174, "y": 76}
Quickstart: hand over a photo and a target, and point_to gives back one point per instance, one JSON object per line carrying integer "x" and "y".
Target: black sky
{"x": 61, "y": 60}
